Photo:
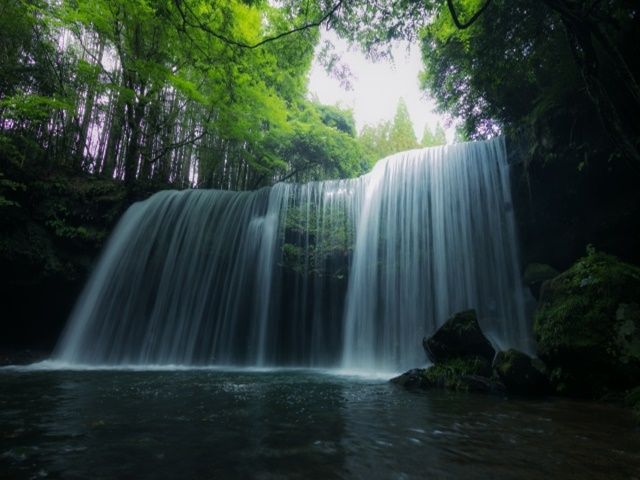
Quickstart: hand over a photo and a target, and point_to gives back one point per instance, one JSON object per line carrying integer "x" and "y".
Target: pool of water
{"x": 224, "y": 424}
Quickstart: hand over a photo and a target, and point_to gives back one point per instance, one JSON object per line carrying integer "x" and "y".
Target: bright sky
{"x": 377, "y": 86}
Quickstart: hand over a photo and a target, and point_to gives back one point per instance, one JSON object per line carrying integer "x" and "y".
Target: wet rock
{"x": 535, "y": 274}
{"x": 9, "y": 356}
{"x": 459, "y": 337}
{"x": 410, "y": 379}
{"x": 453, "y": 374}
{"x": 632, "y": 400}
{"x": 587, "y": 326}
{"x": 478, "y": 383}
{"x": 518, "y": 372}
{"x": 461, "y": 374}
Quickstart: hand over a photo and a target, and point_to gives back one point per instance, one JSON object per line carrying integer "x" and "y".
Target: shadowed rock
{"x": 519, "y": 374}
{"x": 587, "y": 326}
{"x": 459, "y": 337}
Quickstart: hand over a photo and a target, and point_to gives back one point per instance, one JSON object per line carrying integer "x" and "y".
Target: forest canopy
{"x": 141, "y": 90}
{"x": 214, "y": 94}
{"x": 559, "y": 75}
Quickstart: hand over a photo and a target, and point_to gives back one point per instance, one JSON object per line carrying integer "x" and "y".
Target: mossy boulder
{"x": 451, "y": 374}
{"x": 459, "y": 337}
{"x": 535, "y": 274}
{"x": 410, "y": 379}
{"x": 587, "y": 326}
{"x": 469, "y": 374}
{"x": 632, "y": 400}
{"x": 519, "y": 373}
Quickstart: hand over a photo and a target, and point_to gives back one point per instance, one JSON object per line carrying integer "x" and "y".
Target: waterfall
{"x": 349, "y": 273}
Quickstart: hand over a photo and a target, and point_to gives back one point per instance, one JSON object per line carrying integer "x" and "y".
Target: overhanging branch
{"x": 468, "y": 23}
{"x": 236, "y": 43}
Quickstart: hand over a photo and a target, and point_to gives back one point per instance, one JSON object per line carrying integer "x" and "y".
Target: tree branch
{"x": 173, "y": 146}
{"x": 468, "y": 23}
{"x": 250, "y": 46}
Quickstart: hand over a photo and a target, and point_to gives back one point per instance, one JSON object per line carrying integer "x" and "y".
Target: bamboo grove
{"x": 153, "y": 90}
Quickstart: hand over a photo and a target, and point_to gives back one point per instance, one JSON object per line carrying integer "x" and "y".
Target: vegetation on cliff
{"x": 587, "y": 326}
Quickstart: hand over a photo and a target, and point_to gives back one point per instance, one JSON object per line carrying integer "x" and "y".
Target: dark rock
{"x": 459, "y": 337}
{"x": 410, "y": 379}
{"x": 632, "y": 399}
{"x": 519, "y": 373}
{"x": 461, "y": 374}
{"x": 21, "y": 357}
{"x": 52, "y": 228}
{"x": 535, "y": 274}
{"x": 587, "y": 326}
{"x": 478, "y": 383}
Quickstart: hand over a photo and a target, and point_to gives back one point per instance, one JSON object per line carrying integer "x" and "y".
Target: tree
{"x": 433, "y": 138}
{"x": 385, "y": 138}
{"x": 169, "y": 91}
{"x": 575, "y": 54}
{"x": 322, "y": 145}
{"x": 589, "y": 42}
{"x": 375, "y": 141}
{"x": 513, "y": 70}
{"x": 402, "y": 136}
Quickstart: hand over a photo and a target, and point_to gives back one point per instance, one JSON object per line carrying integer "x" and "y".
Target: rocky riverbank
{"x": 587, "y": 332}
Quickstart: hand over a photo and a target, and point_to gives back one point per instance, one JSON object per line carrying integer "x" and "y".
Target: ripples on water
{"x": 294, "y": 424}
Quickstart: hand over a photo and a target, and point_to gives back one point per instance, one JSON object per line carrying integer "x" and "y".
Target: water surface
{"x": 208, "y": 424}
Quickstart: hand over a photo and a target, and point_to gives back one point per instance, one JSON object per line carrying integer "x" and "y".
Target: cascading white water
{"x": 350, "y": 272}
{"x": 435, "y": 236}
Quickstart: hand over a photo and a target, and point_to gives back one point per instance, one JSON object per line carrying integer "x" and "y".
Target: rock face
{"x": 462, "y": 357}
{"x": 410, "y": 379}
{"x": 587, "y": 326}
{"x": 462, "y": 361}
{"x": 535, "y": 274}
{"x": 459, "y": 337}
{"x": 52, "y": 228}
{"x": 632, "y": 400}
{"x": 471, "y": 374}
{"x": 519, "y": 373}
{"x": 462, "y": 374}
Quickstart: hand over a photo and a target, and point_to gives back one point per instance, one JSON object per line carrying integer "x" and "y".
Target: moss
{"x": 538, "y": 272}
{"x": 627, "y": 329}
{"x": 450, "y": 374}
{"x": 519, "y": 373}
{"x": 588, "y": 325}
{"x": 317, "y": 241}
{"x": 632, "y": 400}
{"x": 466, "y": 321}
{"x": 53, "y": 226}
{"x": 293, "y": 257}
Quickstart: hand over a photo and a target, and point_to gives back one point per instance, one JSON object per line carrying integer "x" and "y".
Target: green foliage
{"x": 8, "y": 188}
{"x": 433, "y": 138}
{"x": 538, "y": 272}
{"x": 632, "y": 400}
{"x": 317, "y": 241}
{"x": 543, "y": 72}
{"x": 480, "y": 77}
{"x": 402, "y": 137}
{"x": 335, "y": 117}
{"x": 320, "y": 144}
{"x": 36, "y": 108}
{"x": 385, "y": 138}
{"x": 55, "y": 225}
{"x": 164, "y": 91}
{"x": 559, "y": 76}
{"x": 450, "y": 374}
